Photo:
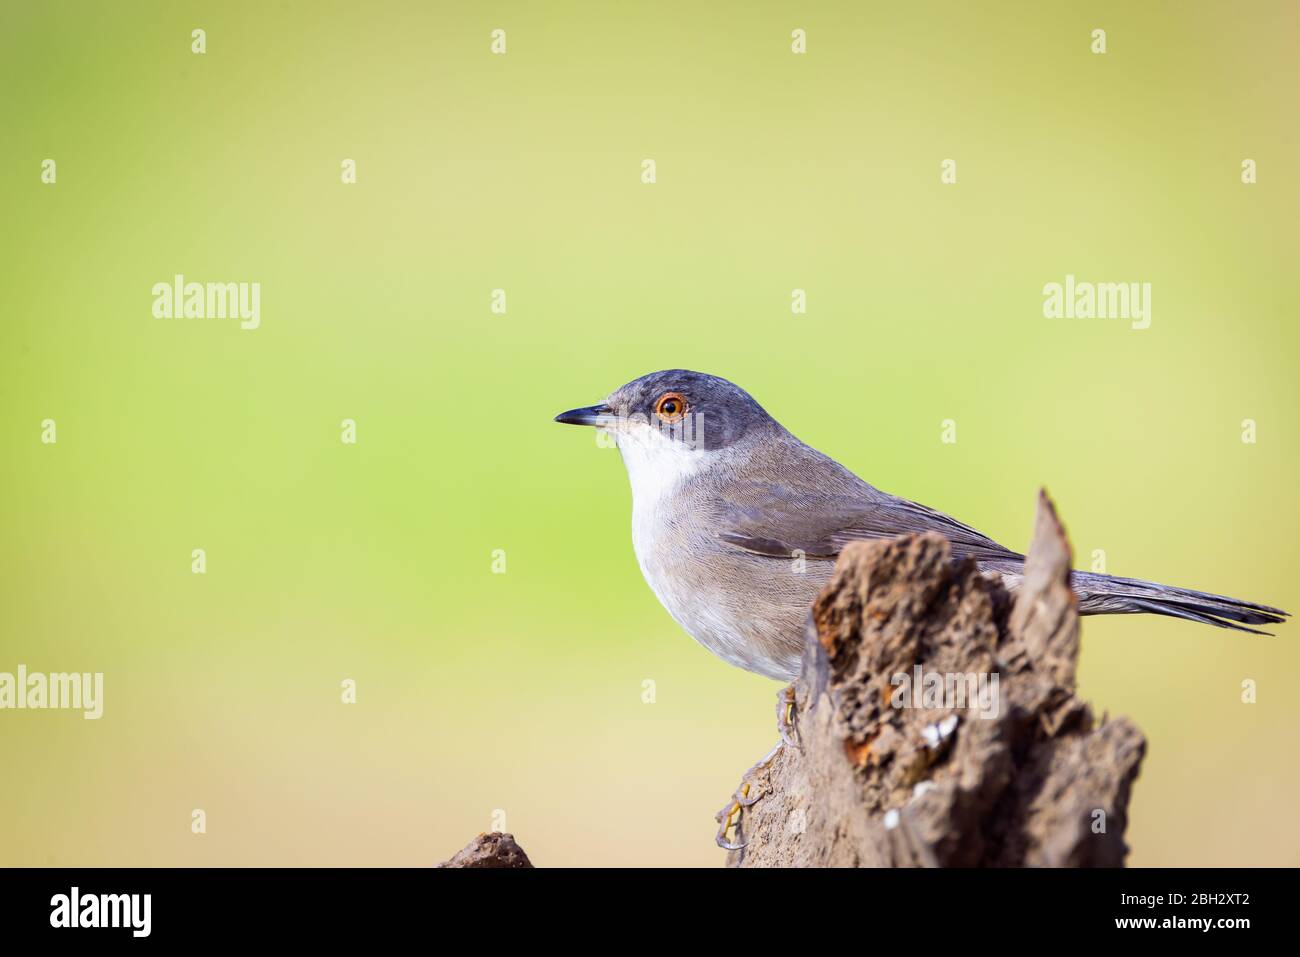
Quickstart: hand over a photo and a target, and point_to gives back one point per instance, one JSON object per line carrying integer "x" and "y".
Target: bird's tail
{"x": 1108, "y": 595}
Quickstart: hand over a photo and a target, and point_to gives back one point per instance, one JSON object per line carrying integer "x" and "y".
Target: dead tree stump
{"x": 894, "y": 771}
{"x": 494, "y": 850}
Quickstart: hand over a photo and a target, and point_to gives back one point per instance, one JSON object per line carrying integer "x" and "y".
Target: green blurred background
{"x": 515, "y": 700}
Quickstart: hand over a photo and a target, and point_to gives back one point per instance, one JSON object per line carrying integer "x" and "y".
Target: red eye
{"x": 671, "y": 407}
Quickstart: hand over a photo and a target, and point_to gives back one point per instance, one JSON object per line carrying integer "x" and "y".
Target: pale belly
{"x": 747, "y": 610}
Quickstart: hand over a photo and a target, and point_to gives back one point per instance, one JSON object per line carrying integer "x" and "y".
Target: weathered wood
{"x": 494, "y": 849}
{"x": 884, "y": 778}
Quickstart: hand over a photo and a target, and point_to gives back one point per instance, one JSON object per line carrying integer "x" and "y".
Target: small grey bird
{"x": 726, "y": 504}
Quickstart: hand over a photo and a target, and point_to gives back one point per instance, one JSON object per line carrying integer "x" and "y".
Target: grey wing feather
{"x": 777, "y": 525}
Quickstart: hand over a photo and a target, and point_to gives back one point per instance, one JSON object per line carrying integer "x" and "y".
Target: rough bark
{"x": 490, "y": 850}
{"x": 883, "y": 778}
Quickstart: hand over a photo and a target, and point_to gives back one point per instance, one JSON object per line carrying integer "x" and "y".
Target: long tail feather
{"x": 1107, "y": 595}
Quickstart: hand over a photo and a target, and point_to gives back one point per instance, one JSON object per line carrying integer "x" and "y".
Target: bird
{"x": 736, "y": 524}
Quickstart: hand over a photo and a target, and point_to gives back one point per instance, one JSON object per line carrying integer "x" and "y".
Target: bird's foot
{"x": 785, "y": 716}
{"x": 754, "y": 786}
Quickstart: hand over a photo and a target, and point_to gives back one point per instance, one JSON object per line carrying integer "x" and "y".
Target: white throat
{"x": 657, "y": 464}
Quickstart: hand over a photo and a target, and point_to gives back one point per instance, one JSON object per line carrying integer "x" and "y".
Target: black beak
{"x": 591, "y": 415}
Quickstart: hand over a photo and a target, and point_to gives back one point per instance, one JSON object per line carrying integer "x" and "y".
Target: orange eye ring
{"x": 671, "y": 407}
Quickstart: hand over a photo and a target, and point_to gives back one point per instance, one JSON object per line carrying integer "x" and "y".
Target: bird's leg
{"x": 729, "y": 814}
{"x": 754, "y": 785}
{"x": 785, "y": 715}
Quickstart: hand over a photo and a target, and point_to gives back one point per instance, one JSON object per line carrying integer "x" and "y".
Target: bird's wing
{"x": 776, "y": 525}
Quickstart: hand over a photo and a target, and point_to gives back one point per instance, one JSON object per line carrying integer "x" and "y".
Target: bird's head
{"x": 702, "y": 412}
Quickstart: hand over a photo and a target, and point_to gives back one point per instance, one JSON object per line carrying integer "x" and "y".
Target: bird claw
{"x": 732, "y": 812}
{"x": 785, "y": 716}
{"x": 752, "y": 789}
